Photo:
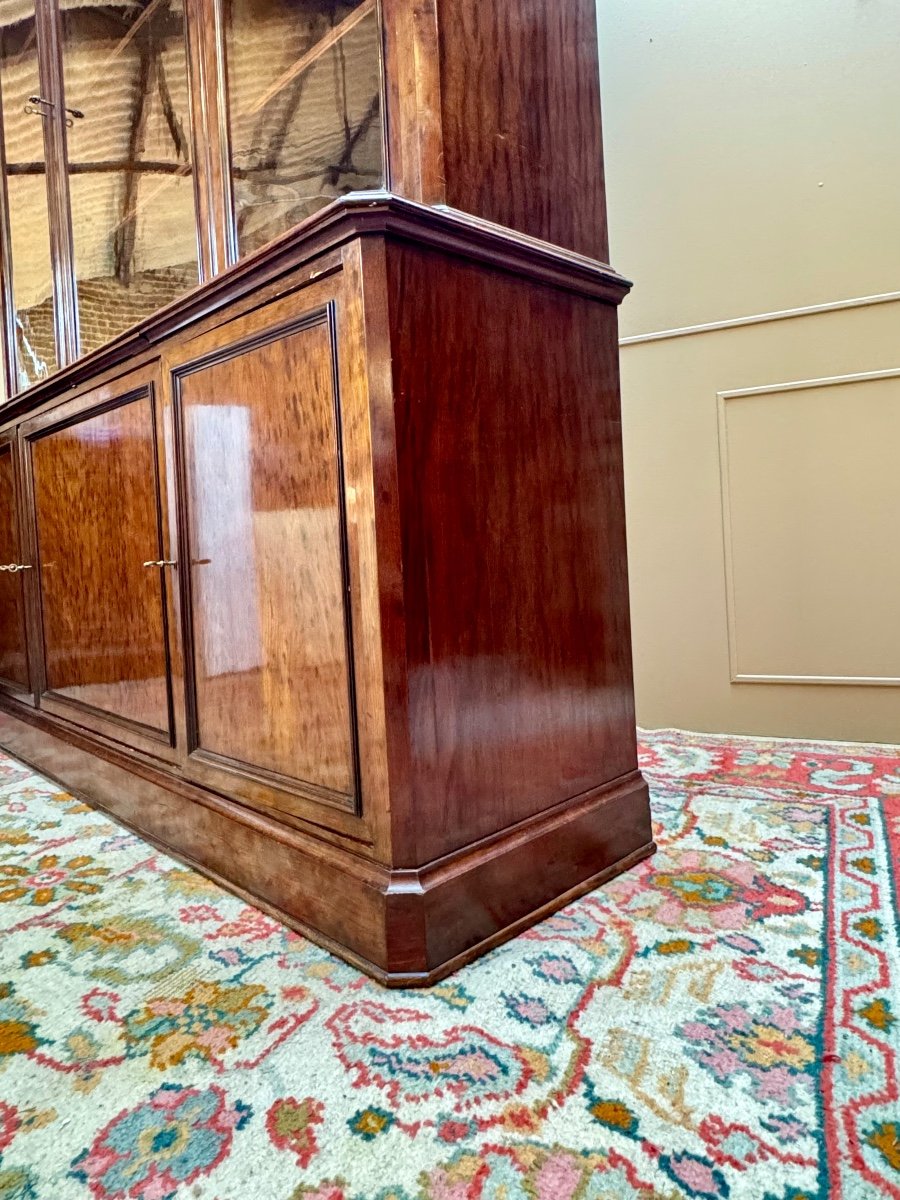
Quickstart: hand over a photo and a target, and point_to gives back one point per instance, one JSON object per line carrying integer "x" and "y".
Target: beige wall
{"x": 753, "y": 169}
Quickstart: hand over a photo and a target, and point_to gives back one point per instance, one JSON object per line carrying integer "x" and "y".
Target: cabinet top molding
{"x": 364, "y": 214}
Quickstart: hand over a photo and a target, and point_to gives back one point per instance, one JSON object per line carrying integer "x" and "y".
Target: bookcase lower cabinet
{"x": 329, "y": 594}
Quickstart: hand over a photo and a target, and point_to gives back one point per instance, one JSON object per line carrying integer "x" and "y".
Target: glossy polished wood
{"x": 520, "y": 96}
{"x": 208, "y": 129}
{"x": 417, "y": 514}
{"x": 407, "y": 928}
{"x": 97, "y": 517}
{"x": 494, "y": 108}
{"x": 509, "y": 461}
{"x": 13, "y": 646}
{"x": 413, "y": 99}
{"x": 266, "y": 547}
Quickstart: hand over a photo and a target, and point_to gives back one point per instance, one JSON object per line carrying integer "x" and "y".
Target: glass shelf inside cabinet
{"x": 131, "y": 189}
{"x": 305, "y": 109}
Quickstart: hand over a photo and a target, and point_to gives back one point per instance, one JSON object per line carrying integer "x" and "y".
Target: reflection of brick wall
{"x": 34, "y": 337}
{"x": 106, "y": 309}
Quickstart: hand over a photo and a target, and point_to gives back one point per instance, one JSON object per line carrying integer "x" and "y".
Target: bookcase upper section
{"x": 148, "y": 146}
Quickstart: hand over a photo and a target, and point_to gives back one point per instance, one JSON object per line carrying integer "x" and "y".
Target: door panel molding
{"x": 260, "y": 782}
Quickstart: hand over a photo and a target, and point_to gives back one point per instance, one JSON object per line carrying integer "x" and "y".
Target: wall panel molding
{"x": 725, "y": 479}
{"x": 761, "y": 318}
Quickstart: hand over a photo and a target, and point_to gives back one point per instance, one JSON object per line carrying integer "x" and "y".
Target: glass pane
{"x": 26, "y": 188}
{"x": 130, "y": 182}
{"x": 304, "y": 94}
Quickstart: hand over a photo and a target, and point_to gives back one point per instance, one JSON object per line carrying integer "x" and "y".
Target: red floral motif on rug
{"x": 723, "y": 1021}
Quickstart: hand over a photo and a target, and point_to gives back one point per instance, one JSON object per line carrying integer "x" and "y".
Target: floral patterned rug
{"x": 724, "y": 1021}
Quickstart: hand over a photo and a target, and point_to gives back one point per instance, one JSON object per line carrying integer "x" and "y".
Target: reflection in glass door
{"x": 125, "y": 78}
{"x": 24, "y": 112}
{"x": 305, "y": 114}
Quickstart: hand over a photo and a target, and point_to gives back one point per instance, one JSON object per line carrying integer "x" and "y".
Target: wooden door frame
{"x": 210, "y": 138}
{"x": 7, "y": 293}
{"x": 318, "y": 301}
{"x": 62, "y": 249}
{"x": 28, "y": 694}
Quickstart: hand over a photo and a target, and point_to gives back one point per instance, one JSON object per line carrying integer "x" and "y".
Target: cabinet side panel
{"x": 521, "y": 117}
{"x": 510, "y": 478}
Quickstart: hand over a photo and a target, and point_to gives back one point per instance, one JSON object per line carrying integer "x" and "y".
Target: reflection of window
{"x": 224, "y": 577}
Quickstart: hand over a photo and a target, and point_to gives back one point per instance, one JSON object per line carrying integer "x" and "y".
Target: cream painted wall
{"x": 753, "y": 170}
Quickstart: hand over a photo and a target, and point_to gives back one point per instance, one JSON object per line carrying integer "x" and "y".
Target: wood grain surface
{"x": 13, "y": 647}
{"x": 509, "y": 463}
{"x": 98, "y": 522}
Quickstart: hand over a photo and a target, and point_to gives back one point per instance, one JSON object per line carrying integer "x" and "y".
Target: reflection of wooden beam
{"x": 182, "y": 146}
{"x": 129, "y": 36}
{"x": 100, "y": 168}
{"x": 305, "y": 60}
{"x": 273, "y": 177}
{"x": 126, "y": 230}
{"x": 29, "y": 46}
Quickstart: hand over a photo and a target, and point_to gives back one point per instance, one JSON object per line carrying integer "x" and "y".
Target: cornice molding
{"x": 357, "y": 215}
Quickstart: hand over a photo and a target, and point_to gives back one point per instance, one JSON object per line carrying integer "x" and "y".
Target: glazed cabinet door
{"x": 304, "y": 109}
{"x": 129, "y": 168}
{"x": 30, "y": 251}
{"x": 102, "y": 573}
{"x": 268, "y": 636}
{"x": 15, "y": 569}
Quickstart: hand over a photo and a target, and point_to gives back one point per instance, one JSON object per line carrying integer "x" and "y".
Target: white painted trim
{"x": 802, "y": 385}
{"x": 821, "y": 680}
{"x": 727, "y": 535}
{"x": 760, "y": 318}
{"x": 700, "y": 736}
{"x": 722, "y": 398}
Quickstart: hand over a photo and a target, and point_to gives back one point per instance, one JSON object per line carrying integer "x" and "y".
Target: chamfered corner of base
{"x": 448, "y": 914}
